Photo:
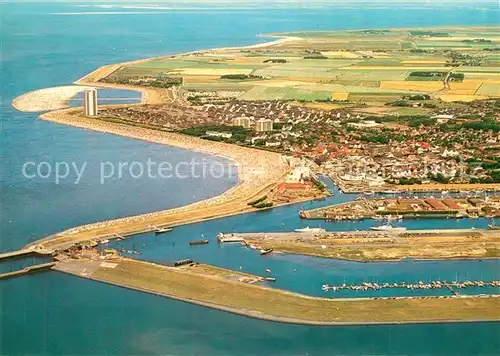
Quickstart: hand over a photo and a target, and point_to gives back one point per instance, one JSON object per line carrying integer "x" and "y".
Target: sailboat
{"x": 493, "y": 226}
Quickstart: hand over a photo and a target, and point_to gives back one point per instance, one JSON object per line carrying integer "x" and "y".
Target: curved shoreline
{"x": 262, "y": 169}
{"x": 258, "y": 172}
{"x": 48, "y": 98}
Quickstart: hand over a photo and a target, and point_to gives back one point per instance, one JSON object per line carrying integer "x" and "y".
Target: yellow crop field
{"x": 467, "y": 87}
{"x": 278, "y": 83}
{"x": 340, "y": 96}
{"x": 327, "y": 40}
{"x": 189, "y": 79}
{"x": 479, "y": 74}
{"x": 425, "y": 61}
{"x": 257, "y": 60}
{"x": 459, "y": 97}
{"x": 412, "y": 85}
{"x": 401, "y": 68}
{"x": 340, "y": 54}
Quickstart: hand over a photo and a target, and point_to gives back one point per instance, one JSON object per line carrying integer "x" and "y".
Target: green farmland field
{"x": 373, "y": 65}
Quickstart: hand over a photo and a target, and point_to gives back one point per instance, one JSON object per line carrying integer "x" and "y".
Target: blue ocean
{"x": 51, "y": 313}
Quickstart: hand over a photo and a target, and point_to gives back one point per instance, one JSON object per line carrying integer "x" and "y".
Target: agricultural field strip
{"x": 352, "y": 69}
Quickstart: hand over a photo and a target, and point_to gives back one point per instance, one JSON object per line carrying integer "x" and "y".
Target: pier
{"x": 26, "y": 270}
{"x": 223, "y": 238}
{"x": 22, "y": 253}
{"x": 378, "y": 245}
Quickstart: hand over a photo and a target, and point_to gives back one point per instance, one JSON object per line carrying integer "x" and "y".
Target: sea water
{"x": 52, "y": 313}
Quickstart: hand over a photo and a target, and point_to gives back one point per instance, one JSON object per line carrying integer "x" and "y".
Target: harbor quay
{"x": 409, "y": 208}
{"x": 379, "y": 244}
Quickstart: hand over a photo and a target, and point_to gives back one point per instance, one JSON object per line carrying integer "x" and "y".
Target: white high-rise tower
{"x": 90, "y": 102}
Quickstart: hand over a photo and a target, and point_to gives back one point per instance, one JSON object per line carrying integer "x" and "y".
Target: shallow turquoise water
{"x": 52, "y": 313}
{"x": 107, "y": 96}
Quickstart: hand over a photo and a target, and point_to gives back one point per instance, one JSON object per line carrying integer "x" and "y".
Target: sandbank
{"x": 47, "y": 99}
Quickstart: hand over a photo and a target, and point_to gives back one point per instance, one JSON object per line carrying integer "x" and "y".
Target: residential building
{"x": 263, "y": 125}
{"x": 242, "y": 121}
{"x": 90, "y": 102}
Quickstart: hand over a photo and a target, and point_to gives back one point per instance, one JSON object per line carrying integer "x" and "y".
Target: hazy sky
{"x": 331, "y": 2}
{"x": 271, "y": 3}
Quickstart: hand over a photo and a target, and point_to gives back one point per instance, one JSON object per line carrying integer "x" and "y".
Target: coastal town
{"x": 361, "y": 154}
{"x": 290, "y": 115}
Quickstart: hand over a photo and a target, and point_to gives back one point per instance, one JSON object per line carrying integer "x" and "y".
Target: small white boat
{"x": 310, "y": 229}
{"x": 388, "y": 217}
{"x": 387, "y": 228}
{"x": 390, "y": 192}
{"x": 394, "y": 217}
{"x": 162, "y": 230}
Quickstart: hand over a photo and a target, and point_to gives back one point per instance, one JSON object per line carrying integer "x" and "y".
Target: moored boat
{"x": 310, "y": 229}
{"x": 198, "y": 242}
{"x": 387, "y": 228}
{"x": 162, "y": 230}
{"x": 266, "y": 251}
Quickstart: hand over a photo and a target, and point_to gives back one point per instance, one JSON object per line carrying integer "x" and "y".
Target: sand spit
{"x": 47, "y": 99}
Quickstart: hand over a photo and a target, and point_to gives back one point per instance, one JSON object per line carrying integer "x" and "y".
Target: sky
{"x": 331, "y": 2}
{"x": 272, "y": 3}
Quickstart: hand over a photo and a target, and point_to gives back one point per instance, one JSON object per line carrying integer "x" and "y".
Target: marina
{"x": 412, "y": 286}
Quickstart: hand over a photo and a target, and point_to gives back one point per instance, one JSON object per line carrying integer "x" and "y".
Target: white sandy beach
{"x": 47, "y": 99}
